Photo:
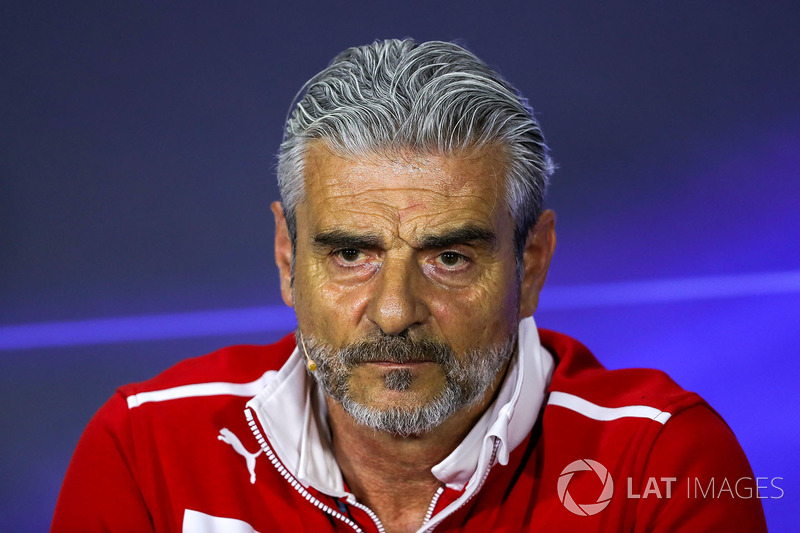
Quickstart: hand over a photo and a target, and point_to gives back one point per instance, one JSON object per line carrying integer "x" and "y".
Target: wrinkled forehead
{"x": 410, "y": 196}
{"x": 476, "y": 173}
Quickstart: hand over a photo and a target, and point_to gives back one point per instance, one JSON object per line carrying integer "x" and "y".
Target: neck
{"x": 392, "y": 474}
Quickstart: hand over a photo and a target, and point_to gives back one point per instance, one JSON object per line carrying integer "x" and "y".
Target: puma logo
{"x": 226, "y": 435}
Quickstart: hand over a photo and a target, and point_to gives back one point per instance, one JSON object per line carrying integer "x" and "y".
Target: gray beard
{"x": 398, "y": 379}
{"x": 467, "y": 378}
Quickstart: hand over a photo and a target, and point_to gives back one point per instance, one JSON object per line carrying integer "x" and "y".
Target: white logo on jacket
{"x": 226, "y": 435}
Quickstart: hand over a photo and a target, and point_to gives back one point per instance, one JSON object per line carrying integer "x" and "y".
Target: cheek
{"x": 481, "y": 315}
{"x": 330, "y": 310}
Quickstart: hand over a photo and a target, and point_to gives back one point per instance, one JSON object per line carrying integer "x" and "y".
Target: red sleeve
{"x": 711, "y": 484}
{"x": 100, "y": 492}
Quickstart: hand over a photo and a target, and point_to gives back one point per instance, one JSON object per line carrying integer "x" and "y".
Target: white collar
{"x": 509, "y": 419}
{"x": 293, "y": 414}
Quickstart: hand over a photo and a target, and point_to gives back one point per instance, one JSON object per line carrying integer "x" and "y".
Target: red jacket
{"x": 623, "y": 450}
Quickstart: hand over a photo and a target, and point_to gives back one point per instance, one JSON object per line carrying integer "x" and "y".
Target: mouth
{"x": 395, "y": 364}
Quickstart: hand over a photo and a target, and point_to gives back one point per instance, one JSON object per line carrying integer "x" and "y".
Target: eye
{"x": 351, "y": 265}
{"x": 452, "y": 259}
{"x": 349, "y": 255}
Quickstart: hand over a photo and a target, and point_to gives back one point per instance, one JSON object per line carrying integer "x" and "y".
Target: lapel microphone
{"x": 312, "y": 366}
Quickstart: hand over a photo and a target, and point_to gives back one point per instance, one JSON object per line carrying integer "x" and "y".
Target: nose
{"x": 396, "y": 304}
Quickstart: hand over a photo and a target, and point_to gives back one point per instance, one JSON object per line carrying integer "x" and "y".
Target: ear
{"x": 283, "y": 253}
{"x": 539, "y": 247}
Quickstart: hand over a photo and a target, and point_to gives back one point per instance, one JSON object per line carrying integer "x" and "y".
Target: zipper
{"x": 299, "y": 486}
{"x": 282, "y": 470}
{"x": 432, "y": 506}
{"x": 371, "y": 513}
{"x": 476, "y": 491}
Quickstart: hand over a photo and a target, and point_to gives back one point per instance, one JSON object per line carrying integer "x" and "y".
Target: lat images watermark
{"x": 585, "y": 509}
{"x": 656, "y": 487}
{"x": 743, "y": 488}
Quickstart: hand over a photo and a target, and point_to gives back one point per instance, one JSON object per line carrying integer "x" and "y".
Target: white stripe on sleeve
{"x": 604, "y": 414}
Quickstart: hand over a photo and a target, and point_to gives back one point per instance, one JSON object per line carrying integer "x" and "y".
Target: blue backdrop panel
{"x": 138, "y": 162}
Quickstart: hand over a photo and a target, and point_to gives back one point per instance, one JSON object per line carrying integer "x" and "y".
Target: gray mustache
{"x": 396, "y": 350}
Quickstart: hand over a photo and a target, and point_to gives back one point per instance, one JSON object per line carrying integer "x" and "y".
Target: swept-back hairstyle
{"x": 434, "y": 97}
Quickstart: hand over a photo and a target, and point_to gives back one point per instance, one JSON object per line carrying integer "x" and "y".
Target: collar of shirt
{"x": 292, "y": 411}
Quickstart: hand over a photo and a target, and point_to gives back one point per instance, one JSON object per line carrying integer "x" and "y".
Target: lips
{"x": 397, "y": 363}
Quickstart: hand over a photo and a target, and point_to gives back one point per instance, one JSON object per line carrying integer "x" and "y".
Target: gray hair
{"x": 434, "y": 97}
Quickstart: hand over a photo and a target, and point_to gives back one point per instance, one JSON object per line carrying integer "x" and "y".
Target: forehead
{"x": 408, "y": 188}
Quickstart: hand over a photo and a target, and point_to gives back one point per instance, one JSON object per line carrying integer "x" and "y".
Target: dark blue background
{"x": 137, "y": 148}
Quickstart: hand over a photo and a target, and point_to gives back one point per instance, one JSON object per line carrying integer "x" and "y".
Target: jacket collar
{"x": 293, "y": 414}
{"x": 509, "y": 419}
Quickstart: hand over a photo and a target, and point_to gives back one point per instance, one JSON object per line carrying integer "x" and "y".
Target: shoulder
{"x": 232, "y": 365}
{"x": 136, "y": 465}
{"x": 222, "y": 380}
{"x": 580, "y": 382}
{"x": 615, "y": 407}
{"x": 616, "y": 415}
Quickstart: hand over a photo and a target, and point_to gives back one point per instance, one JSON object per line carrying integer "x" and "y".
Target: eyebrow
{"x": 471, "y": 234}
{"x": 337, "y": 238}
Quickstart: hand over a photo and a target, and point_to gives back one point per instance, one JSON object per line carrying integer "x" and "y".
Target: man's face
{"x": 412, "y": 254}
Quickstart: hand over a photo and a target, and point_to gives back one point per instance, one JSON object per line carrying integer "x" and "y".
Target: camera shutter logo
{"x": 585, "y": 509}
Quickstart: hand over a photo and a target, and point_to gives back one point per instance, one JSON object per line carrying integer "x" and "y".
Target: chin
{"x": 414, "y": 416}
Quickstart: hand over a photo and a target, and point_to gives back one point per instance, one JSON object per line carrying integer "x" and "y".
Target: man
{"x": 417, "y": 393}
